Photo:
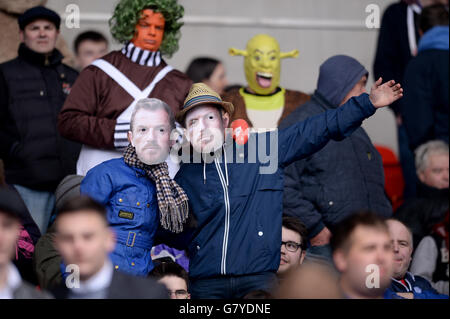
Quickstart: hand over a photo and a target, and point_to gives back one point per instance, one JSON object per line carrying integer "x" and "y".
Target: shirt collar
{"x": 101, "y": 280}
{"x": 53, "y": 58}
{"x": 141, "y": 56}
{"x": 13, "y": 282}
{"x": 407, "y": 278}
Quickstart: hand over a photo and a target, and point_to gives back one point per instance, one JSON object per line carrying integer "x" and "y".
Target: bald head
{"x": 402, "y": 244}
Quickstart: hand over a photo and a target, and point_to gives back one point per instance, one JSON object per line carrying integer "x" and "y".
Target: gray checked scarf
{"x": 172, "y": 200}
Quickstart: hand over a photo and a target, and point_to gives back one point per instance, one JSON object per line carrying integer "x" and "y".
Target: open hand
{"x": 382, "y": 95}
{"x": 321, "y": 238}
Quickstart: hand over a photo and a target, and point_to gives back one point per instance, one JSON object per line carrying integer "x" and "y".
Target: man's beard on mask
{"x": 159, "y": 157}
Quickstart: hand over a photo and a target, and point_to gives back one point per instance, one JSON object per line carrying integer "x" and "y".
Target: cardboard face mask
{"x": 262, "y": 63}
{"x": 149, "y": 30}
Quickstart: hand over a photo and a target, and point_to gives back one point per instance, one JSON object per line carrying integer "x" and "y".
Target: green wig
{"x": 128, "y": 12}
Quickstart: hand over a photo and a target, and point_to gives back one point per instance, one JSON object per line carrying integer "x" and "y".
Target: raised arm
{"x": 307, "y": 137}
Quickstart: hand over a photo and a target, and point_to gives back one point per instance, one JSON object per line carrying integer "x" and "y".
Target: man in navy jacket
{"x": 404, "y": 283}
{"x": 237, "y": 202}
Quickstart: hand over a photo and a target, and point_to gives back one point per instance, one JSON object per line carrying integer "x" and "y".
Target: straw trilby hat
{"x": 201, "y": 94}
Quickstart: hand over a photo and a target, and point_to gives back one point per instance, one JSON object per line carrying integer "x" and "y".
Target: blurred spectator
{"x": 397, "y": 41}
{"x": 29, "y": 232}
{"x": 209, "y": 71}
{"x": 293, "y": 244}
{"x": 404, "y": 283}
{"x": 397, "y": 44}
{"x": 425, "y": 106}
{"x": 84, "y": 240}
{"x": 34, "y": 86}
{"x": 89, "y": 46}
{"x": 137, "y": 190}
{"x": 313, "y": 280}
{"x": 431, "y": 257}
{"x": 173, "y": 276}
{"x": 363, "y": 255}
{"x": 47, "y": 260}
{"x": 11, "y": 284}
{"x": 420, "y": 214}
{"x": 344, "y": 176}
{"x": 432, "y": 164}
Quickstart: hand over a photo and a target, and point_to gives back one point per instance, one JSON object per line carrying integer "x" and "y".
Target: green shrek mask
{"x": 262, "y": 63}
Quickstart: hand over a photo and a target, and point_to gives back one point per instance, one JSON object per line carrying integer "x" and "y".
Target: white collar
{"x": 141, "y": 56}
{"x": 13, "y": 281}
{"x": 101, "y": 280}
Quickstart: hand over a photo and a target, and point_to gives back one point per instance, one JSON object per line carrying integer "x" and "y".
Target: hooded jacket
{"x": 425, "y": 104}
{"x": 238, "y": 208}
{"x": 345, "y": 176}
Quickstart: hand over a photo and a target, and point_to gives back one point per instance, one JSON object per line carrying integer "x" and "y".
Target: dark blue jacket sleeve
{"x": 307, "y": 137}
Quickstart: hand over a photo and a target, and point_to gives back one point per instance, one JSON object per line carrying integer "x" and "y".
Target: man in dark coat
{"x": 425, "y": 108}
{"x": 343, "y": 177}
{"x": 33, "y": 88}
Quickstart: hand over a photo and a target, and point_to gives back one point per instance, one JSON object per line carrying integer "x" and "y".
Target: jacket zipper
{"x": 227, "y": 218}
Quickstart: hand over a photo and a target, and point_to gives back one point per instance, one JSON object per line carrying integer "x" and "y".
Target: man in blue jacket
{"x": 404, "y": 283}
{"x": 237, "y": 203}
{"x": 137, "y": 190}
{"x": 343, "y": 177}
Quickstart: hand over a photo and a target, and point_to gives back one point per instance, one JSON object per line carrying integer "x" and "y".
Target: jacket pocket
{"x": 128, "y": 208}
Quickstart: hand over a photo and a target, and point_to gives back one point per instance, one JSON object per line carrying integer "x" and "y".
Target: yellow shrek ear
{"x": 290, "y": 54}
{"x": 234, "y": 51}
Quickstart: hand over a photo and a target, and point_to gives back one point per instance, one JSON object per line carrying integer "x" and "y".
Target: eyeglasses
{"x": 291, "y": 246}
{"x": 179, "y": 294}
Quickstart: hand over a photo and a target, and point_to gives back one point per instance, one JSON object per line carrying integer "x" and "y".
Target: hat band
{"x": 202, "y": 99}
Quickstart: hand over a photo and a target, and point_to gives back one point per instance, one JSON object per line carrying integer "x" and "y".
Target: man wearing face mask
{"x": 98, "y": 111}
{"x": 137, "y": 190}
{"x": 263, "y": 103}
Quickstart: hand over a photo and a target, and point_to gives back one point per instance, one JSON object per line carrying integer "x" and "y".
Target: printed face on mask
{"x": 151, "y": 136}
{"x": 205, "y": 128}
{"x": 149, "y": 31}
